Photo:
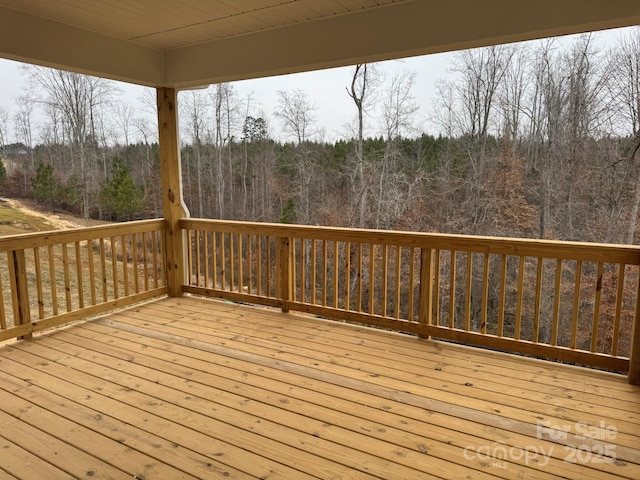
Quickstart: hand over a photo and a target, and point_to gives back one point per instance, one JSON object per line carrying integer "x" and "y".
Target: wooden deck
{"x": 194, "y": 388}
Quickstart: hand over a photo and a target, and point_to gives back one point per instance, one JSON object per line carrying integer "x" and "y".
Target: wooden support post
{"x": 19, "y": 289}
{"x": 634, "y": 355}
{"x": 286, "y": 272}
{"x": 425, "y": 312}
{"x": 172, "y": 201}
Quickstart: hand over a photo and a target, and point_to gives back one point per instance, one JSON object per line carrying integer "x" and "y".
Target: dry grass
{"x": 14, "y": 221}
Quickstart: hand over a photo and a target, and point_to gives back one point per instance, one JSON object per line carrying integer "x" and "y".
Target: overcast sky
{"x": 326, "y": 88}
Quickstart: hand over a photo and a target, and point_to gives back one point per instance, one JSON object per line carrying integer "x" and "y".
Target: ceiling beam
{"x": 31, "y": 39}
{"x": 406, "y": 28}
{"x": 399, "y": 30}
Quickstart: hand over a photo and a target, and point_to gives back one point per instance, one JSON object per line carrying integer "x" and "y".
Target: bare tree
{"x": 77, "y": 97}
{"x": 545, "y": 112}
{"x": 399, "y": 108}
{"x": 624, "y": 86}
{"x": 4, "y": 134}
{"x": 225, "y": 118}
{"x": 399, "y": 105}
{"x": 364, "y": 81}
{"x": 297, "y": 115}
{"x": 23, "y": 120}
{"x": 586, "y": 111}
{"x": 197, "y": 119}
{"x": 512, "y": 95}
{"x": 124, "y": 120}
{"x": 480, "y": 73}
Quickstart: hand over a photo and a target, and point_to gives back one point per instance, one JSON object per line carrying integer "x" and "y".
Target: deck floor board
{"x": 332, "y": 346}
{"x": 197, "y": 388}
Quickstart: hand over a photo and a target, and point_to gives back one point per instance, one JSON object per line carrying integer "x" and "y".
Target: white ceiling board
{"x": 184, "y": 43}
{"x": 400, "y": 30}
{"x": 36, "y": 40}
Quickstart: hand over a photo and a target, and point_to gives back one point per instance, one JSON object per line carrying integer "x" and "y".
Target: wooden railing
{"x": 51, "y": 278}
{"x": 575, "y": 302}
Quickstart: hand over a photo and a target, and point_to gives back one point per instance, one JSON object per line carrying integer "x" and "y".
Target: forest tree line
{"x": 538, "y": 139}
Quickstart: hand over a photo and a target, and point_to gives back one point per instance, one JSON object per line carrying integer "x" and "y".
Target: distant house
{"x": 15, "y": 150}
{"x": 13, "y": 155}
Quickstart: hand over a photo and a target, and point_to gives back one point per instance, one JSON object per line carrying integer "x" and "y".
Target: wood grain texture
{"x": 193, "y": 388}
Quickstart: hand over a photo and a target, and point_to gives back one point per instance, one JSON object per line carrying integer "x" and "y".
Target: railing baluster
{"x": 3, "y": 313}
{"x": 468, "y": 287}
{"x": 292, "y": 273}
{"x": 92, "y": 271}
{"x": 278, "y": 268}
{"x": 502, "y": 299}
{"x": 240, "y": 267}
{"x": 232, "y": 262}
{"x": 372, "y": 281}
{"x": 359, "y": 282}
{"x": 205, "y": 251}
{"x": 114, "y": 267}
{"x": 324, "y": 272}
{"x": 426, "y": 286}
{"x": 259, "y": 264}
{"x": 154, "y": 248}
{"x": 250, "y": 243}
{"x": 223, "y": 264}
{"x": 347, "y": 276}
{"x": 67, "y": 281}
{"x": 398, "y": 283}
{"x": 103, "y": 268}
{"x": 134, "y": 263}
{"x": 538, "y": 303}
{"x": 80, "y": 289}
{"x": 286, "y": 271}
{"x": 145, "y": 260}
{"x": 485, "y": 293}
{"x": 303, "y": 269}
{"x": 412, "y": 282}
{"x": 267, "y": 270}
{"x": 125, "y": 265}
{"x": 436, "y": 287}
{"x": 313, "y": 271}
{"x": 556, "y": 303}
{"x": 618, "y": 312}
{"x": 575, "y": 317}
{"x": 214, "y": 259}
{"x": 596, "y": 309}
{"x": 197, "y": 257}
{"x": 452, "y": 289}
{"x": 36, "y": 261}
{"x": 385, "y": 279}
{"x": 520, "y": 291}
{"x": 336, "y": 251}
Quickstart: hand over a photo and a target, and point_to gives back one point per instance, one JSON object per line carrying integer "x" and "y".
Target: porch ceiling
{"x": 185, "y": 43}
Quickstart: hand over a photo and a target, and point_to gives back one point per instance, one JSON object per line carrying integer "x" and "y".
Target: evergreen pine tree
{"x": 120, "y": 195}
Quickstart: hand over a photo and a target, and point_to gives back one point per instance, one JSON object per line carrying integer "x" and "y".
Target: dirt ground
{"x": 57, "y": 221}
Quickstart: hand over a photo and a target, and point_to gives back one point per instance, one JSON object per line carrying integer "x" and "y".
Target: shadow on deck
{"x": 195, "y": 388}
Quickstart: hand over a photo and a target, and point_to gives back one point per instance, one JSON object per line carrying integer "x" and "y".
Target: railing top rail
{"x": 53, "y": 237}
{"x": 584, "y": 251}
